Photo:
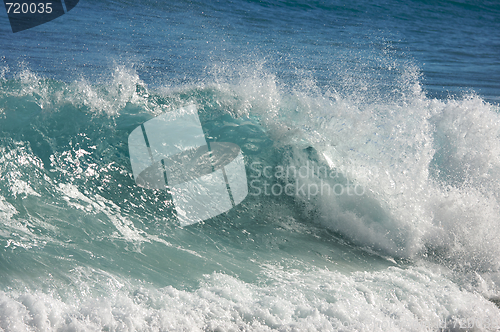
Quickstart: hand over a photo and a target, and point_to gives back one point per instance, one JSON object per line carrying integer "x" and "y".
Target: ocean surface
{"x": 394, "y": 105}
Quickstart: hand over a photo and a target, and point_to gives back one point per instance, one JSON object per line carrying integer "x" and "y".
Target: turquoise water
{"x": 396, "y": 105}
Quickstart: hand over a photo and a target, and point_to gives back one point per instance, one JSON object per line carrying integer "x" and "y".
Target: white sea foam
{"x": 412, "y": 299}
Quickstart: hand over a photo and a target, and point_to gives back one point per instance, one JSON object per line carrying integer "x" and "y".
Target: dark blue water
{"x": 454, "y": 44}
{"x": 397, "y": 100}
